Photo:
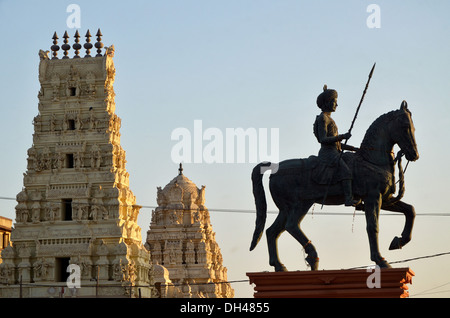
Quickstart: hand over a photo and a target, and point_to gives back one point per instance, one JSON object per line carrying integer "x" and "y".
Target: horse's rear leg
{"x": 293, "y": 227}
{"x": 272, "y": 234}
{"x": 410, "y": 214}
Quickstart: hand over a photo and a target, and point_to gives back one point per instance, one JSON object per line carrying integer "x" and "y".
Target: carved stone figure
{"x": 119, "y": 275}
{"x": 36, "y": 212}
{"x": 52, "y": 212}
{"x": 93, "y": 122}
{"x": 73, "y": 86}
{"x": 6, "y": 271}
{"x": 294, "y": 191}
{"x": 96, "y": 157}
{"x": 37, "y": 122}
{"x": 78, "y": 122}
{"x": 190, "y": 253}
{"x": 41, "y": 268}
{"x": 60, "y": 160}
{"x": 32, "y": 159}
{"x": 90, "y": 85}
{"x": 110, "y": 50}
{"x": 43, "y": 55}
{"x": 95, "y": 209}
{"x": 55, "y": 84}
{"x": 78, "y": 158}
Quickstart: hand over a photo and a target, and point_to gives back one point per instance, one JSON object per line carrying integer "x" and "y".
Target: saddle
{"x": 316, "y": 175}
{"x": 319, "y": 172}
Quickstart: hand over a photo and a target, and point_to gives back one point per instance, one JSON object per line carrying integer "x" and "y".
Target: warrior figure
{"x": 326, "y": 132}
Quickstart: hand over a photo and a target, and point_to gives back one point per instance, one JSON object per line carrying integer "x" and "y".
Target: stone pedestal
{"x": 370, "y": 283}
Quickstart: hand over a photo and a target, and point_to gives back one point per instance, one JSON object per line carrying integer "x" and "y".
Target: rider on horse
{"x": 326, "y": 132}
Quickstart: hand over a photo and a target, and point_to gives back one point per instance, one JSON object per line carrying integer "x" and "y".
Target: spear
{"x": 360, "y": 102}
{"x": 350, "y": 130}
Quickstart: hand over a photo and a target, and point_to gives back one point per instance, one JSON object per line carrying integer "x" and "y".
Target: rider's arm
{"x": 322, "y": 132}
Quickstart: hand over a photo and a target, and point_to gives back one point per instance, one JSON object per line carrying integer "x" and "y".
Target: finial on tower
{"x": 55, "y": 46}
{"x": 99, "y": 44}
{"x": 88, "y": 45}
{"x": 180, "y": 170}
{"x": 77, "y": 45}
{"x": 65, "y": 46}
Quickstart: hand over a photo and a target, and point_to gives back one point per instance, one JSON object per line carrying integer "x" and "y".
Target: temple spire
{"x": 180, "y": 169}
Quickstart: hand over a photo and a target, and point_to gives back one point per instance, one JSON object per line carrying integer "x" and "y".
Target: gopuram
{"x": 183, "y": 244}
{"x": 75, "y": 207}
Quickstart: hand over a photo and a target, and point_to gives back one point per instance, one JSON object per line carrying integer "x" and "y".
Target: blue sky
{"x": 253, "y": 64}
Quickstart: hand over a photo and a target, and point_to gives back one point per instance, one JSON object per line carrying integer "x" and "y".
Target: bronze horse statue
{"x": 294, "y": 190}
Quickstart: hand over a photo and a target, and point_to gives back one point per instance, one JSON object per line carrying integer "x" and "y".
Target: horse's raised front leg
{"x": 272, "y": 234}
{"x": 410, "y": 214}
{"x": 372, "y": 211}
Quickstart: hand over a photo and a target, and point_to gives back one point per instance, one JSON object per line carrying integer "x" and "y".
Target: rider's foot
{"x": 352, "y": 202}
{"x": 349, "y": 200}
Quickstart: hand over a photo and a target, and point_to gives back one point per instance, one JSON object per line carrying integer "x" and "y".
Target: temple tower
{"x": 76, "y": 206}
{"x": 182, "y": 241}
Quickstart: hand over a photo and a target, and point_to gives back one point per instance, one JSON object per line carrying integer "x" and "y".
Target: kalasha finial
{"x": 88, "y": 45}
{"x": 99, "y": 44}
{"x": 180, "y": 170}
{"x": 55, "y": 46}
{"x": 65, "y": 46}
{"x": 77, "y": 45}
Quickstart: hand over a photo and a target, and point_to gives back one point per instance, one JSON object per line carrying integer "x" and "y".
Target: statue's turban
{"x": 326, "y": 96}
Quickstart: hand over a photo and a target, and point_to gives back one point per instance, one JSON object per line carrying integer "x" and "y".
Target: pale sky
{"x": 254, "y": 64}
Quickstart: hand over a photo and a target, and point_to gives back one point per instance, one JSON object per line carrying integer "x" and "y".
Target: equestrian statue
{"x": 362, "y": 177}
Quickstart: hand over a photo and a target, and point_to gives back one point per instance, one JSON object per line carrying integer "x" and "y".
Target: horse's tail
{"x": 260, "y": 202}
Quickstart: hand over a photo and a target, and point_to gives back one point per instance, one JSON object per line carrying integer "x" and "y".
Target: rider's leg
{"x": 346, "y": 177}
{"x": 347, "y": 186}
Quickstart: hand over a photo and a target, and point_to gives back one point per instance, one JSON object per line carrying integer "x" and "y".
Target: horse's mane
{"x": 372, "y": 131}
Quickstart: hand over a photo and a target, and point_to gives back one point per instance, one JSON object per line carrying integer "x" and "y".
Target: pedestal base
{"x": 370, "y": 283}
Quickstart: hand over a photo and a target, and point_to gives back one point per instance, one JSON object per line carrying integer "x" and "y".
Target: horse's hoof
{"x": 313, "y": 262}
{"x": 383, "y": 264}
{"x": 280, "y": 268}
{"x": 395, "y": 244}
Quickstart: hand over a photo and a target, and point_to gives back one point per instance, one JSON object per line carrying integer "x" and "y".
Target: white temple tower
{"x": 76, "y": 206}
{"x": 182, "y": 241}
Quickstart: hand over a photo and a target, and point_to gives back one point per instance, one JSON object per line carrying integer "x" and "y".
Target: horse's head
{"x": 403, "y": 132}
